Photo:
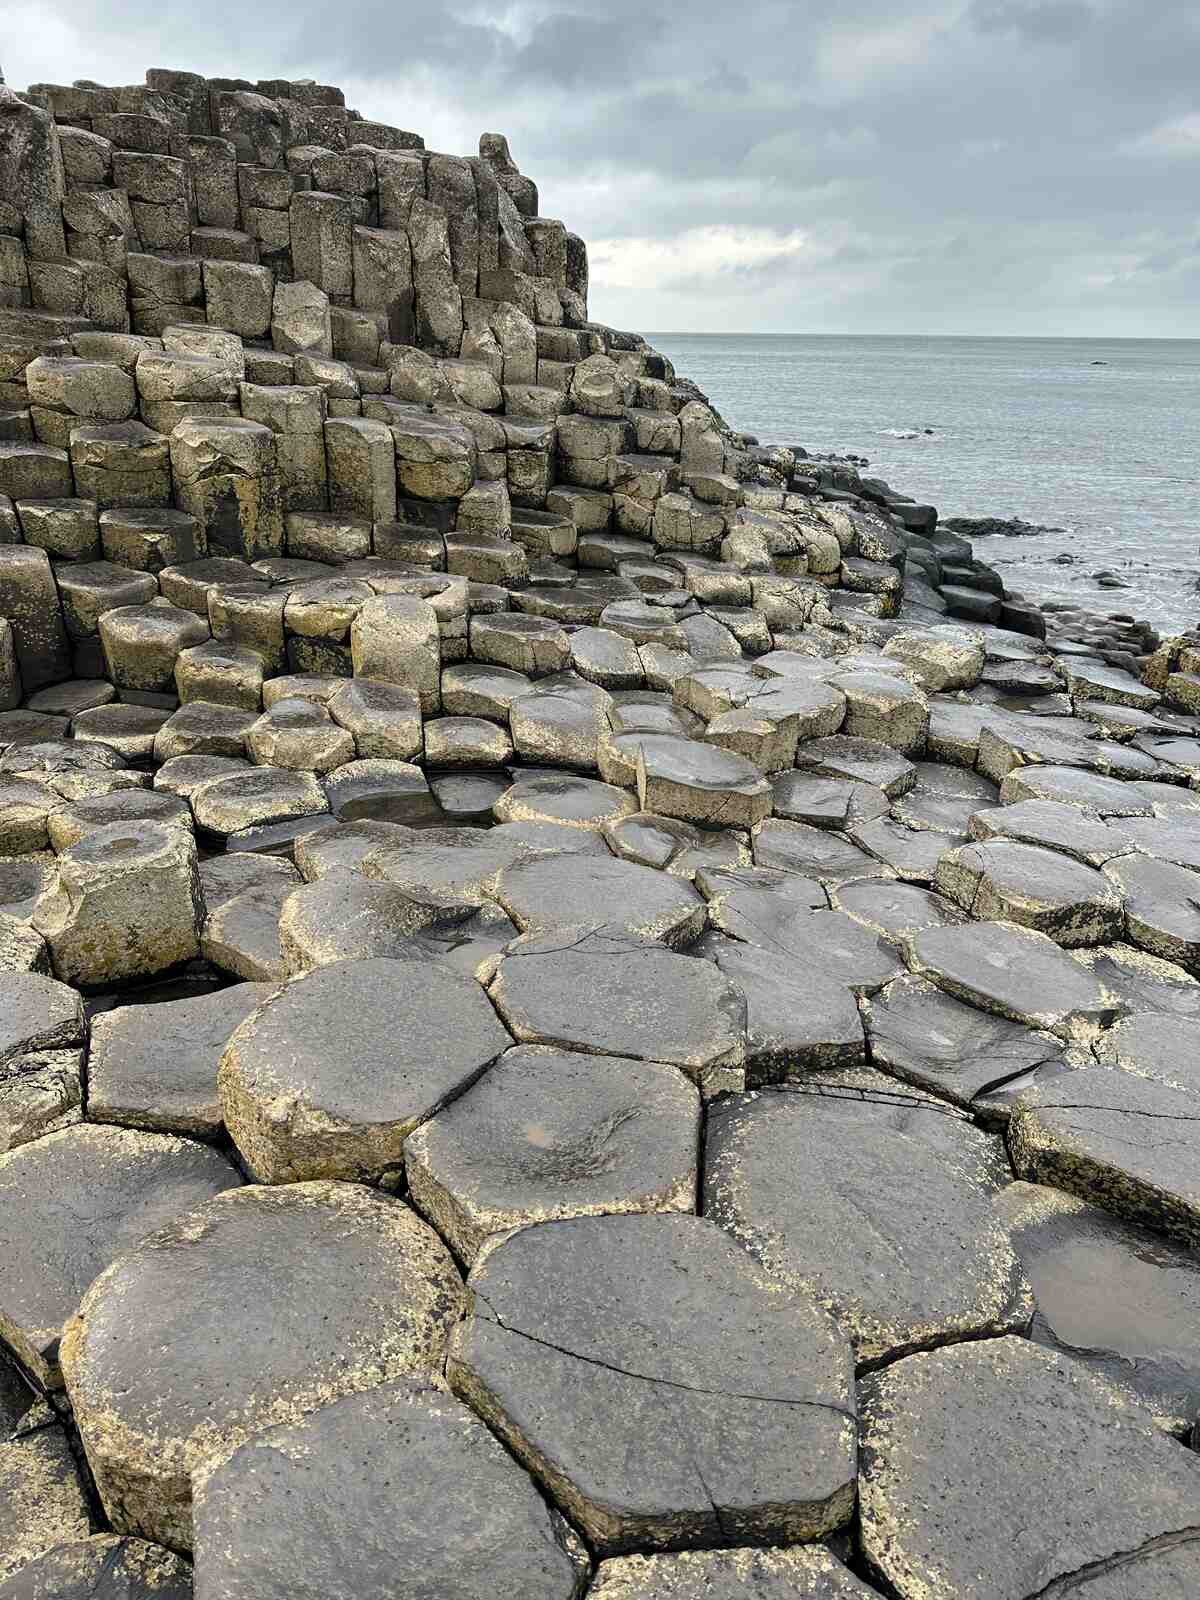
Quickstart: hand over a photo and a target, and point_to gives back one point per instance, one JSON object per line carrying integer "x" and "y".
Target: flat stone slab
{"x": 955, "y": 1505}
{"x": 217, "y": 1327}
{"x": 830, "y": 947}
{"x": 590, "y": 990}
{"x": 793, "y": 1024}
{"x": 559, "y": 891}
{"x": 1162, "y": 908}
{"x": 1071, "y": 786}
{"x": 818, "y": 853}
{"x": 799, "y": 1573}
{"x": 920, "y": 1033}
{"x": 255, "y": 798}
{"x": 1003, "y": 880}
{"x": 347, "y": 917}
{"x": 1124, "y": 1142}
{"x": 1055, "y": 826}
{"x": 329, "y": 1076}
{"x": 102, "y": 1568}
{"x": 698, "y": 782}
{"x": 72, "y": 1202}
{"x": 1151, "y": 1045}
{"x": 894, "y": 911}
{"x": 861, "y": 760}
{"x": 441, "y": 1503}
{"x": 37, "y": 1013}
{"x": 701, "y": 1404}
{"x": 563, "y": 797}
{"x": 547, "y": 1134}
{"x": 876, "y": 1200}
{"x": 1016, "y": 973}
{"x": 155, "y": 1066}
{"x": 910, "y": 853}
{"x": 1119, "y": 1298}
{"x": 1143, "y": 982}
{"x": 455, "y": 866}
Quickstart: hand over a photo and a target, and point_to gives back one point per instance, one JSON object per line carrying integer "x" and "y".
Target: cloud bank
{"x": 975, "y": 167}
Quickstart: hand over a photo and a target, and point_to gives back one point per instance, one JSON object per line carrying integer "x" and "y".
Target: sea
{"x": 1097, "y": 438}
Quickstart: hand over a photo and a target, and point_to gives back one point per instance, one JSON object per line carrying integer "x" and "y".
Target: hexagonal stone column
{"x": 547, "y": 1134}
{"x": 125, "y": 903}
{"x": 225, "y": 475}
{"x": 874, "y": 1199}
{"x": 395, "y": 639}
{"x": 697, "y": 1405}
{"x": 955, "y": 1505}
{"x": 74, "y": 1201}
{"x": 329, "y": 1078}
{"x": 217, "y": 1327}
{"x": 141, "y": 644}
{"x": 441, "y": 1495}
{"x": 588, "y": 989}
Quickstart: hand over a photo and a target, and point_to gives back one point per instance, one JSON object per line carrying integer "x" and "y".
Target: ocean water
{"x": 1030, "y": 428}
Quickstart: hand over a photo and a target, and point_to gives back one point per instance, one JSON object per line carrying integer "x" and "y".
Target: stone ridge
{"x": 587, "y": 1005}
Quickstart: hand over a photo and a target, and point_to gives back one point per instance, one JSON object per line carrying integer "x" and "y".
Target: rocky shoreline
{"x": 587, "y": 1006}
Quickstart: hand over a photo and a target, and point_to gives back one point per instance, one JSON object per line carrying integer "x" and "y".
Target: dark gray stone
{"x": 1121, "y": 1141}
{"x": 547, "y": 1134}
{"x": 698, "y": 1405}
{"x": 155, "y": 1066}
{"x": 921, "y": 1034}
{"x": 588, "y": 989}
{"x": 1117, "y": 1297}
{"x": 559, "y": 891}
{"x": 401, "y": 1486}
{"x": 955, "y": 1505}
{"x": 218, "y": 1326}
{"x": 793, "y": 1023}
{"x": 329, "y": 1077}
{"x": 876, "y": 1200}
{"x": 72, "y": 1202}
{"x": 1014, "y": 972}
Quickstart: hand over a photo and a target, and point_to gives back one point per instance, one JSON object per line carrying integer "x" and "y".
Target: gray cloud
{"x": 875, "y": 165}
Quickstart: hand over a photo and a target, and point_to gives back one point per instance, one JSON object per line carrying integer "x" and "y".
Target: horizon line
{"x": 1049, "y": 338}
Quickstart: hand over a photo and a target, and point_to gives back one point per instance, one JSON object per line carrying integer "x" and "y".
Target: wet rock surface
{"x": 466, "y": 810}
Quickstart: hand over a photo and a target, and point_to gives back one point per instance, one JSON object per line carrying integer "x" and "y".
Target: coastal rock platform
{"x": 588, "y": 1006}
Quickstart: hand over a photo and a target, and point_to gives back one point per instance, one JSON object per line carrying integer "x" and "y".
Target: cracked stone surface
{"x": 42, "y": 1500}
{"x": 1123, "y": 1141}
{"x": 596, "y": 992}
{"x": 563, "y": 890}
{"x": 877, "y": 1201}
{"x": 546, "y": 1134}
{"x": 329, "y": 1076}
{"x": 705, "y": 1405}
{"x": 1106, "y": 1505}
{"x": 104, "y": 1567}
{"x": 292, "y": 1509}
{"x": 921, "y": 1034}
{"x": 213, "y": 1329}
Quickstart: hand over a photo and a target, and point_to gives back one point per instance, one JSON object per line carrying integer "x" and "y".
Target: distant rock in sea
{"x": 998, "y": 527}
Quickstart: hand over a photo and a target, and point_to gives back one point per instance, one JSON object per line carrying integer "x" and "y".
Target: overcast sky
{"x": 875, "y": 166}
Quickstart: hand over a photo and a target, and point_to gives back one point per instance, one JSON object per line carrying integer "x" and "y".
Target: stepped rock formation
{"x": 587, "y": 1006}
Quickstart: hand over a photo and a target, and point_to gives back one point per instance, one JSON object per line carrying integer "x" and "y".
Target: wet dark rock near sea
{"x": 587, "y": 1004}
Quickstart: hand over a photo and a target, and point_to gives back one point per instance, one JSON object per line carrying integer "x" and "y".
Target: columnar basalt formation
{"x": 587, "y": 1006}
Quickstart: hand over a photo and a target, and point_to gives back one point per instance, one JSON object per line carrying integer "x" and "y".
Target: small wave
{"x": 900, "y": 433}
